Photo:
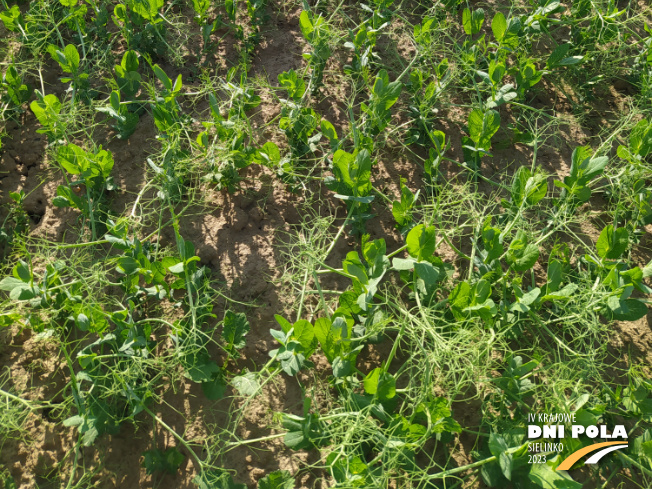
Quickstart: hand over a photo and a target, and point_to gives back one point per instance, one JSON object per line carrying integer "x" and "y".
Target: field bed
{"x": 265, "y": 244}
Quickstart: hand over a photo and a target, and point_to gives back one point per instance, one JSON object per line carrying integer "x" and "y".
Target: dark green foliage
{"x": 162, "y": 461}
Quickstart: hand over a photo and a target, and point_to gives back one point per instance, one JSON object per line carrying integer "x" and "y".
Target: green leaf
{"x": 304, "y": 333}
{"x": 626, "y": 309}
{"x": 294, "y": 439}
{"x": 354, "y": 266}
{"x": 528, "y": 75}
{"x": 328, "y": 130}
{"x": 18, "y": 290}
{"x": 9, "y": 319}
{"x": 504, "y": 95}
{"x": 563, "y": 294}
{"x": 341, "y": 367}
{"x": 440, "y": 416}
{"x": 555, "y": 271}
{"x": 497, "y": 72}
{"x": 291, "y": 357}
{"x": 72, "y": 56}
{"x": 72, "y": 158}
{"x": 499, "y": 26}
{"x": 545, "y": 476}
{"x": 82, "y": 322}
{"x": 120, "y": 13}
{"x": 491, "y": 241}
{"x": 21, "y": 271}
{"x": 127, "y": 265}
{"x": 527, "y": 187}
{"x": 286, "y": 326}
{"x": 269, "y": 155}
{"x": 521, "y": 255}
{"x": 640, "y": 138}
{"x": 159, "y": 461}
{"x": 326, "y": 337}
{"x": 231, "y": 9}
{"x": 506, "y": 463}
{"x": 583, "y": 169}
{"x": 200, "y": 7}
{"x": 353, "y": 172}
{"x": 482, "y": 126}
{"x": 130, "y": 61}
{"x": 127, "y": 75}
{"x": 460, "y": 296}
{"x": 60, "y": 201}
{"x": 612, "y": 243}
{"x": 12, "y": 18}
{"x": 306, "y": 25}
{"x": 178, "y": 84}
{"x": 163, "y": 77}
{"x": 594, "y": 167}
{"x": 73, "y": 421}
{"x": 294, "y": 85}
{"x": 330, "y": 335}
{"x": 17, "y": 91}
{"x": 571, "y": 60}
{"x": 70, "y": 197}
{"x": 497, "y": 444}
{"x": 214, "y": 389}
{"x": 374, "y": 254}
{"x": 530, "y": 297}
{"x": 10, "y": 283}
{"x": 279, "y": 479}
{"x": 380, "y": 383}
{"x": 581, "y": 155}
{"x": 247, "y": 384}
{"x": 235, "y": 329}
{"x": 46, "y": 110}
{"x": 202, "y": 372}
{"x": 102, "y": 160}
{"x": 421, "y": 242}
{"x": 403, "y": 264}
{"x": 147, "y": 9}
{"x": 304, "y": 432}
{"x": 557, "y": 55}
{"x": 472, "y": 21}
{"x": 386, "y": 92}
{"x": 402, "y": 210}
{"x": 646, "y": 449}
{"x": 177, "y": 269}
{"x": 428, "y": 273}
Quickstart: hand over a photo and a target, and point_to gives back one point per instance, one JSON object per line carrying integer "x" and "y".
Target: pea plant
{"x": 92, "y": 173}
{"x": 47, "y": 109}
{"x": 351, "y": 181}
{"x": 482, "y": 126}
{"x": 16, "y": 92}
{"x": 69, "y": 60}
{"x": 316, "y": 32}
{"x": 228, "y": 131}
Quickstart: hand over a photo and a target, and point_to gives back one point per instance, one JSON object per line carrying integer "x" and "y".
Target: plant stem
{"x": 255, "y": 440}
{"x": 474, "y": 465}
{"x": 20, "y": 400}
{"x": 74, "y": 462}
{"x": 199, "y": 464}
{"x": 630, "y": 460}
